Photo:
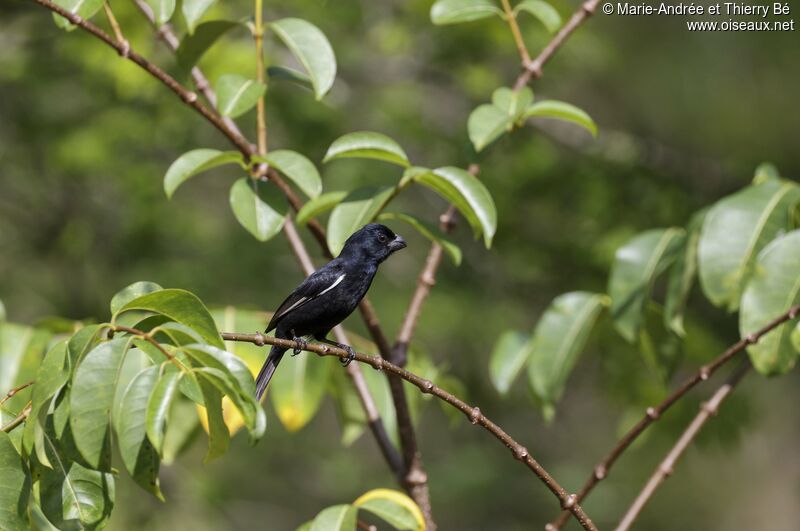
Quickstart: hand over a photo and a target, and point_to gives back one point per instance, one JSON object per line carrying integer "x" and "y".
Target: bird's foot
{"x": 351, "y": 355}
{"x": 302, "y": 344}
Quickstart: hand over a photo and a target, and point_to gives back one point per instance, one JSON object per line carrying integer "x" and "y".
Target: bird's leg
{"x": 303, "y": 344}
{"x": 351, "y": 354}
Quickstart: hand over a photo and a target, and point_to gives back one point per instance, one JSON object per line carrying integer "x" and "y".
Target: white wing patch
{"x": 303, "y": 300}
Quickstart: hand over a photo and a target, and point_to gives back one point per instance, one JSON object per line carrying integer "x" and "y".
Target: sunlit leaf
{"x": 636, "y": 266}
{"x": 297, "y": 389}
{"x": 558, "y": 340}
{"x": 85, "y": 9}
{"x": 429, "y": 231}
{"x": 735, "y": 230}
{"x": 182, "y": 428}
{"x": 766, "y": 171}
{"x": 53, "y": 373}
{"x": 193, "y": 11}
{"x": 681, "y": 276}
{"x": 310, "y": 46}
{"x": 237, "y": 94}
{"x": 394, "y": 507}
{"x": 135, "y": 290}
{"x": 773, "y": 288}
{"x": 162, "y": 10}
{"x": 367, "y": 145}
{"x": 456, "y": 11}
{"x": 193, "y": 46}
{"x": 196, "y": 161}
{"x": 513, "y": 103}
{"x": 21, "y": 352}
{"x": 15, "y": 487}
{"x": 218, "y": 434}
{"x": 297, "y": 168}
{"x": 562, "y": 111}
{"x": 508, "y": 356}
{"x": 468, "y": 194}
{"x": 335, "y": 518}
{"x": 356, "y": 210}
{"x": 165, "y": 390}
{"x": 543, "y": 11}
{"x": 486, "y": 124}
{"x": 249, "y": 205}
{"x": 319, "y": 205}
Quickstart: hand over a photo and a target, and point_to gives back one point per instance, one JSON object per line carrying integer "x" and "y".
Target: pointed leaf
{"x": 162, "y": 10}
{"x": 53, "y": 373}
{"x": 135, "y": 290}
{"x": 735, "y": 230}
{"x": 83, "y": 341}
{"x": 297, "y": 389}
{"x": 336, "y": 518}
{"x": 251, "y": 209}
{"x": 508, "y": 357}
{"x": 75, "y": 497}
{"x": 773, "y": 288}
{"x": 318, "y": 205}
{"x": 468, "y": 194}
{"x": 138, "y": 455}
{"x": 237, "y": 94}
{"x": 513, "y": 103}
{"x": 193, "y": 11}
{"x": 543, "y": 11}
{"x": 681, "y": 277}
{"x": 429, "y": 231}
{"x": 486, "y": 124}
{"x": 21, "y": 351}
{"x": 456, "y": 11}
{"x": 218, "y": 435}
{"x": 636, "y": 266}
{"x": 394, "y": 507}
{"x": 165, "y": 390}
{"x": 196, "y": 44}
{"x": 367, "y": 145}
{"x": 182, "y": 307}
{"x": 558, "y": 340}
{"x": 562, "y": 111}
{"x": 360, "y": 207}
{"x": 15, "y": 487}
{"x": 297, "y": 168}
{"x": 196, "y": 161}
{"x": 310, "y": 46}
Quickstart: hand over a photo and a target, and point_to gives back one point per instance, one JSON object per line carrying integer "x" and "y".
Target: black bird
{"x": 329, "y": 295}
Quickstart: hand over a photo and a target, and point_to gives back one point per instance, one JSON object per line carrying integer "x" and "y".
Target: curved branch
{"x": 667, "y": 466}
{"x": 652, "y": 414}
{"x": 473, "y": 413}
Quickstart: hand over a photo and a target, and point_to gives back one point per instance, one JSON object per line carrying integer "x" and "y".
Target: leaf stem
{"x": 511, "y": 18}
{"x": 112, "y": 20}
{"x": 258, "y": 36}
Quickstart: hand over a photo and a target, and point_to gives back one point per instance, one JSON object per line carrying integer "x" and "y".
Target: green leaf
{"x": 636, "y": 266}
{"x": 735, "y": 230}
{"x": 196, "y": 44}
{"x": 486, "y": 124}
{"x": 193, "y": 11}
{"x": 796, "y": 338}
{"x": 162, "y": 10}
{"x": 429, "y": 231}
{"x": 367, "y": 145}
{"x": 218, "y": 434}
{"x": 318, "y": 205}
{"x": 82, "y": 342}
{"x": 233, "y": 367}
{"x": 92, "y": 398}
{"x": 182, "y": 307}
{"x": 15, "y": 487}
{"x": 310, "y": 46}
{"x": 21, "y": 351}
{"x": 296, "y": 391}
{"x": 138, "y": 454}
{"x": 249, "y": 205}
{"x": 457, "y": 11}
{"x": 53, "y": 373}
{"x": 335, "y": 518}
{"x": 681, "y": 277}
{"x": 558, "y": 339}
{"x": 562, "y": 111}
{"x": 468, "y": 194}
{"x": 85, "y": 9}
{"x": 544, "y": 12}
{"x": 360, "y": 207}
{"x": 2, "y": 311}
{"x": 508, "y": 356}
{"x": 766, "y": 171}
{"x": 183, "y": 426}
{"x": 282, "y": 73}
{"x": 395, "y": 508}
{"x": 773, "y": 288}
{"x": 135, "y": 290}
{"x": 297, "y": 168}
{"x": 196, "y": 161}
{"x": 513, "y": 103}
{"x": 237, "y": 94}
{"x": 158, "y": 406}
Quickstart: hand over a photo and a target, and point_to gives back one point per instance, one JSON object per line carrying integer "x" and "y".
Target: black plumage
{"x": 330, "y": 294}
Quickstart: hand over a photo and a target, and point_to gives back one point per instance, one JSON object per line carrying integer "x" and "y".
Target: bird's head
{"x": 374, "y": 242}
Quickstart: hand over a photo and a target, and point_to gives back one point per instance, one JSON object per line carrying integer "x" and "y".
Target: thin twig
{"x": 14, "y": 391}
{"x": 473, "y": 413}
{"x": 149, "y": 338}
{"x": 533, "y": 69}
{"x": 667, "y": 466}
{"x": 602, "y": 469}
{"x": 258, "y": 36}
{"x": 112, "y": 20}
{"x": 8, "y": 428}
{"x": 518, "y": 40}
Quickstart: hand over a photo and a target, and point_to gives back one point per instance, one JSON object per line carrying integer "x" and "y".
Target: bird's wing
{"x": 317, "y": 284}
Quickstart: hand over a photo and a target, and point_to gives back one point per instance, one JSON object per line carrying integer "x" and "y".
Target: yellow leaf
{"x": 396, "y": 497}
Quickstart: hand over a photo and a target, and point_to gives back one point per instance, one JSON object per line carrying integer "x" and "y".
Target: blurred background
{"x": 684, "y": 118}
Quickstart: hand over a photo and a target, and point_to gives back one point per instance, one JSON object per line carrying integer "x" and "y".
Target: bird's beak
{"x": 397, "y": 244}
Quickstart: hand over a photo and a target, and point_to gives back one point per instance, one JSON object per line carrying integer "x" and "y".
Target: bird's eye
{"x": 382, "y": 238}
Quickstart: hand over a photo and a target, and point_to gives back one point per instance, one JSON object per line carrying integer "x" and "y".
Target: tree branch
{"x": 667, "y": 466}
{"x": 518, "y": 40}
{"x": 473, "y": 413}
{"x": 652, "y": 414}
{"x": 533, "y": 69}
{"x": 14, "y": 391}
{"x": 258, "y": 36}
{"x": 8, "y": 428}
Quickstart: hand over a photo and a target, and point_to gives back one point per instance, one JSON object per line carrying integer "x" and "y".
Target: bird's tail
{"x": 265, "y": 375}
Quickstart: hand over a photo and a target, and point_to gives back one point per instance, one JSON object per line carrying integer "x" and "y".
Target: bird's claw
{"x": 302, "y": 344}
{"x": 351, "y": 355}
